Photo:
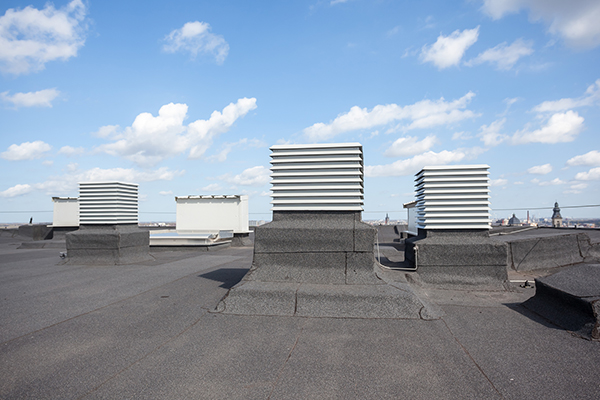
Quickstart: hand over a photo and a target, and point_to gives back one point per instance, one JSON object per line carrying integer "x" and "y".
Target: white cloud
{"x": 591, "y": 96}
{"x": 503, "y": 56}
{"x": 498, "y": 182}
{"x": 592, "y": 175}
{"x": 334, "y": 2}
{"x": 540, "y": 169}
{"x": 165, "y": 192}
{"x": 490, "y": 134}
{"x": 107, "y": 131}
{"x": 553, "y": 182}
{"x": 151, "y": 139}
{"x": 29, "y": 38}
{"x": 449, "y": 50}
{"x": 589, "y": 159}
{"x": 16, "y": 190}
{"x": 213, "y": 187}
{"x": 422, "y": 114}
{"x": 255, "y": 176}
{"x": 195, "y": 37}
{"x": 413, "y": 165}
{"x": 560, "y": 128}
{"x": 71, "y": 151}
{"x": 26, "y": 151}
{"x": 461, "y": 136}
{"x": 68, "y": 182}
{"x": 409, "y": 146}
{"x": 577, "y": 188}
{"x": 576, "y": 21}
{"x": 227, "y": 147}
{"x": 41, "y": 98}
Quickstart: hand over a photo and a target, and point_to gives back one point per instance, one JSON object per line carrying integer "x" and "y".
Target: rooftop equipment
{"x": 453, "y": 197}
{"x": 212, "y": 213}
{"x": 66, "y": 212}
{"x": 108, "y": 203}
{"x": 317, "y": 177}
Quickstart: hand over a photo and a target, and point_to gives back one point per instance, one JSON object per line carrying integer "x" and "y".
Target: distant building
{"x": 514, "y": 221}
{"x": 387, "y": 219}
{"x": 556, "y": 217}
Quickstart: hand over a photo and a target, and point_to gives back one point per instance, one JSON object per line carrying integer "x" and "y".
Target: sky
{"x": 186, "y": 97}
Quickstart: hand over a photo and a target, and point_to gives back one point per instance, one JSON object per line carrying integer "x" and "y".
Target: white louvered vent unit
{"x": 108, "y": 203}
{"x": 317, "y": 177}
{"x": 453, "y": 197}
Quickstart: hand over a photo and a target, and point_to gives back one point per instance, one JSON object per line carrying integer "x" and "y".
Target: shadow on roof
{"x": 228, "y": 276}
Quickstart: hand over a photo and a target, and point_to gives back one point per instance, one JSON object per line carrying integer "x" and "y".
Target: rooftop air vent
{"x": 108, "y": 203}
{"x": 317, "y": 177}
{"x": 453, "y": 197}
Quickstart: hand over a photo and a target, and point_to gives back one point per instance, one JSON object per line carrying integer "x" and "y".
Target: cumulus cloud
{"x": 213, "y": 187}
{"x": 422, "y": 114}
{"x": 576, "y": 21}
{"x": 504, "y": 56}
{"x": 498, "y": 182}
{"x": 16, "y": 190}
{"x": 26, "y": 151}
{"x": 68, "y": 182}
{"x": 591, "y": 96}
{"x": 255, "y": 176}
{"x": 151, "y": 139}
{"x": 449, "y": 50}
{"x": 71, "y": 151}
{"x": 409, "y": 146}
{"x": 221, "y": 156}
{"x": 413, "y": 165}
{"x": 553, "y": 182}
{"x": 540, "y": 169}
{"x": 591, "y": 175}
{"x": 41, "y": 98}
{"x": 577, "y": 188}
{"x": 196, "y": 38}
{"x": 490, "y": 134}
{"x": 589, "y": 159}
{"x": 29, "y": 38}
{"x": 560, "y": 128}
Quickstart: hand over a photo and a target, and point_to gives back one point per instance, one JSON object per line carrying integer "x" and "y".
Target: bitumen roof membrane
{"x": 150, "y": 331}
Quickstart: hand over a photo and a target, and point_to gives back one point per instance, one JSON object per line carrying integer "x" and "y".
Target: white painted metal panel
{"x": 453, "y": 197}
{"x": 212, "y": 213}
{"x": 108, "y": 203}
{"x": 66, "y": 212}
{"x": 317, "y": 177}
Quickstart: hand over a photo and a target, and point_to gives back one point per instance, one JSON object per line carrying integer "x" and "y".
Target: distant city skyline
{"x": 186, "y": 98}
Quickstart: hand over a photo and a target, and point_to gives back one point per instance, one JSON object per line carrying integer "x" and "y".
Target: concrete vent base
{"x": 315, "y": 300}
{"x": 108, "y": 244}
{"x": 458, "y": 257}
{"x": 318, "y": 264}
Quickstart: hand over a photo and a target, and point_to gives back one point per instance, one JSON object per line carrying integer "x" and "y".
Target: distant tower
{"x": 514, "y": 221}
{"x": 556, "y": 217}
{"x": 387, "y": 219}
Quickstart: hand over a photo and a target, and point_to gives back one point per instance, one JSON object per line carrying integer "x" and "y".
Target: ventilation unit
{"x": 453, "y": 197}
{"x": 317, "y": 177}
{"x": 108, "y": 203}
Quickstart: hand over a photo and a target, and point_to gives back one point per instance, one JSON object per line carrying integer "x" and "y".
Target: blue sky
{"x": 186, "y": 97}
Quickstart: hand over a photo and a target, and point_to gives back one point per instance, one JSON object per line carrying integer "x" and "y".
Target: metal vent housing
{"x": 317, "y": 177}
{"x": 453, "y": 197}
{"x": 108, "y": 203}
